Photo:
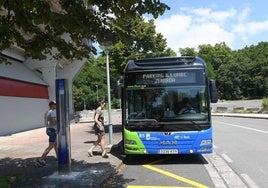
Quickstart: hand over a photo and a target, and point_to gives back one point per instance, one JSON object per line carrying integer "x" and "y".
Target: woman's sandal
{"x": 105, "y": 155}
{"x": 90, "y": 154}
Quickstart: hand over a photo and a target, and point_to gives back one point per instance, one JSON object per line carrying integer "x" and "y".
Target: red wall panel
{"x": 16, "y": 88}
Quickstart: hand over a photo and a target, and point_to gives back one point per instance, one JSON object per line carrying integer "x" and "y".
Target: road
{"x": 240, "y": 143}
{"x": 162, "y": 171}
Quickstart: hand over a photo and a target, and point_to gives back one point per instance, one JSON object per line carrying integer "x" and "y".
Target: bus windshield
{"x": 170, "y": 108}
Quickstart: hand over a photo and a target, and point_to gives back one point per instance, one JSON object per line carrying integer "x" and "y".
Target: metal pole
{"x": 97, "y": 93}
{"x": 84, "y": 104}
{"x": 109, "y": 97}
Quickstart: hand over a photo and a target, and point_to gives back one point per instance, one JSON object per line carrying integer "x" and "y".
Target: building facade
{"x": 26, "y": 87}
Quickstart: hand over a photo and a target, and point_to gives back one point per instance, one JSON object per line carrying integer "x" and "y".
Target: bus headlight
{"x": 130, "y": 142}
{"x": 206, "y": 142}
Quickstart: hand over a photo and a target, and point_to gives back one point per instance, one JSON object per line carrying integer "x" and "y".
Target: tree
{"x": 143, "y": 42}
{"x": 229, "y": 81}
{"x": 187, "y": 52}
{"x": 243, "y": 73}
{"x": 205, "y": 52}
{"x": 61, "y": 27}
{"x": 215, "y": 56}
{"x": 254, "y": 61}
{"x": 91, "y": 80}
{"x": 222, "y": 55}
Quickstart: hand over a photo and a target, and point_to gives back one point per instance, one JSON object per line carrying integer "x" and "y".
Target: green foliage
{"x": 240, "y": 74}
{"x": 187, "y": 52}
{"x": 253, "y": 63}
{"x": 10, "y": 180}
{"x": 265, "y": 104}
{"x": 39, "y": 26}
{"x": 229, "y": 81}
{"x": 116, "y": 104}
{"x": 90, "y": 85}
{"x": 142, "y": 42}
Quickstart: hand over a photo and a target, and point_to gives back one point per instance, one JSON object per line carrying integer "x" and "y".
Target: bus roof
{"x": 165, "y": 63}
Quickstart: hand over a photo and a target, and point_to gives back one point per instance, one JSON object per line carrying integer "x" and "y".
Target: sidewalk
{"x": 19, "y": 151}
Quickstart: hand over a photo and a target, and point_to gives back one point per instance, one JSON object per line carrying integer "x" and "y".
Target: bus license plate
{"x": 168, "y": 151}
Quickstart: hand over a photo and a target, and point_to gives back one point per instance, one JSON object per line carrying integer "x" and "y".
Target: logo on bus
{"x": 182, "y": 137}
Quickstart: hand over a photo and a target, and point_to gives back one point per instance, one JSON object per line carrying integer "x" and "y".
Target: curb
{"x": 106, "y": 181}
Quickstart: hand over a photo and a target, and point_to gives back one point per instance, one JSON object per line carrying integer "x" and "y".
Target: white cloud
{"x": 246, "y": 29}
{"x": 173, "y": 28}
{"x": 257, "y": 27}
{"x": 243, "y": 15}
{"x": 193, "y": 27}
{"x": 209, "y": 33}
{"x": 206, "y": 14}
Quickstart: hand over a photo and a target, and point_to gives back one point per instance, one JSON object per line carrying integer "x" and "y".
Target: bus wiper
{"x": 196, "y": 125}
{"x": 146, "y": 122}
{"x": 199, "y": 128}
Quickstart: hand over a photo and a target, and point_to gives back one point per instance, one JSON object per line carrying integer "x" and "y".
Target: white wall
{"x": 20, "y": 114}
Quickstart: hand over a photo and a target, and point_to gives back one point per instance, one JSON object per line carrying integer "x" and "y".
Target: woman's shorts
{"x": 98, "y": 131}
{"x": 51, "y": 134}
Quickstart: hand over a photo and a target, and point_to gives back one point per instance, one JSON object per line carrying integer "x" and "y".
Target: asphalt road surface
{"x": 242, "y": 142}
{"x": 239, "y": 160}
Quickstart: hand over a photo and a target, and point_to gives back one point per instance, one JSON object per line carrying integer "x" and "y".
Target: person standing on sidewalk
{"x": 51, "y": 131}
{"x": 99, "y": 131}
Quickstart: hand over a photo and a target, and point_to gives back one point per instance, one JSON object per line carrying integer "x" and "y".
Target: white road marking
{"x": 239, "y": 126}
{"x": 249, "y": 181}
{"x": 227, "y": 158}
{"x": 222, "y": 172}
{"x": 246, "y": 178}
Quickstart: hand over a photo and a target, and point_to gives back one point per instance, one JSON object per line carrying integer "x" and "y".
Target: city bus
{"x": 166, "y": 106}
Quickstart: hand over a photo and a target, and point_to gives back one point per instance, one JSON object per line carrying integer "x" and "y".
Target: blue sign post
{"x": 63, "y": 126}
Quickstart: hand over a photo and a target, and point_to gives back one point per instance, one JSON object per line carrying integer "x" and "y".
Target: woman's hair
{"x": 100, "y": 103}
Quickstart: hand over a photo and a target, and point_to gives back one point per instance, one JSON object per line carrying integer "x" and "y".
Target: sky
{"x": 190, "y": 23}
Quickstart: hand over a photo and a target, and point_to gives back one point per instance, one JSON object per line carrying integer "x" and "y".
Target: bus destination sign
{"x": 165, "y": 78}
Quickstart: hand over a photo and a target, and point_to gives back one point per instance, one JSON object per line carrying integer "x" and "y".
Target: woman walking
{"x": 99, "y": 131}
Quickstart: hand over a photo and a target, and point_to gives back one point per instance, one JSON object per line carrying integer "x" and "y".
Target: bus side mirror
{"x": 118, "y": 88}
{"x": 213, "y": 91}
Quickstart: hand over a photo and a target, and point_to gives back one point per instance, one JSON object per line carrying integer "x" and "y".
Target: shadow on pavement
{"x": 25, "y": 173}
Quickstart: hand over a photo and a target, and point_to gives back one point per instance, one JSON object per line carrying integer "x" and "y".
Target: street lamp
{"x": 97, "y": 93}
{"x": 106, "y": 47}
